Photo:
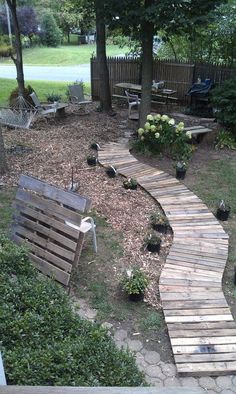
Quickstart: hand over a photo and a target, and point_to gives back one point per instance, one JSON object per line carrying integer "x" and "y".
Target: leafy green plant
{"x": 134, "y": 281}
{"x": 152, "y": 239}
{"x": 151, "y": 322}
{"x": 51, "y": 97}
{"x": 224, "y": 101}
{"x": 43, "y": 342}
{"x": 161, "y": 134}
{"x": 130, "y": 183}
{"x": 225, "y": 139}
{"x": 158, "y": 218}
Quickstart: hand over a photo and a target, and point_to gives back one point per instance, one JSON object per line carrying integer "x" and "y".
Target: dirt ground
{"x": 50, "y": 150}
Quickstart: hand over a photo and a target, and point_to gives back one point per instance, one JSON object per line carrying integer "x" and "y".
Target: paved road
{"x": 49, "y": 73}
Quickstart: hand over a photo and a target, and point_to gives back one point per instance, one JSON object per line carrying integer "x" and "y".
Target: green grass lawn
{"x": 42, "y": 88}
{"x": 66, "y": 55}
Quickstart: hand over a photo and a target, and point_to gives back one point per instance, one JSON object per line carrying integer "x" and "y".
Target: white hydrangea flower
{"x": 142, "y": 138}
{"x": 157, "y": 117}
{"x": 181, "y": 124}
{"x": 157, "y": 135}
{"x": 147, "y": 126}
{"x": 150, "y": 117}
{"x": 140, "y": 131}
{"x": 171, "y": 122}
{"x": 165, "y": 118}
{"x": 189, "y": 134}
{"x": 153, "y": 127}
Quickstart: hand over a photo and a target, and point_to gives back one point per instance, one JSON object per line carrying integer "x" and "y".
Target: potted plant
{"x": 95, "y": 146}
{"x": 159, "y": 222}
{"x": 223, "y": 211}
{"x": 153, "y": 242}
{"x": 91, "y": 160}
{"x": 111, "y": 172}
{"x": 130, "y": 183}
{"x": 134, "y": 283}
{"x": 180, "y": 168}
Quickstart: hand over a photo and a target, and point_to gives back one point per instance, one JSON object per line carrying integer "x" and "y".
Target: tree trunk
{"x": 18, "y": 59}
{"x": 3, "y": 160}
{"x": 147, "y": 66}
{"x": 104, "y": 94}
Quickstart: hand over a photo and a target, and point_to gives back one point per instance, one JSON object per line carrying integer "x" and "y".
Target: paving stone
{"x": 234, "y": 380}
{"x": 107, "y": 325}
{"x": 154, "y": 382}
{"x": 227, "y": 392}
{"x": 207, "y": 383}
{"x": 152, "y": 357}
{"x": 120, "y": 335}
{"x": 121, "y": 344}
{"x": 87, "y": 313}
{"x": 134, "y": 345}
{"x": 171, "y": 382}
{"x": 189, "y": 382}
{"x": 82, "y": 303}
{"x": 224, "y": 382}
{"x": 211, "y": 392}
{"x": 169, "y": 370}
{"x": 153, "y": 371}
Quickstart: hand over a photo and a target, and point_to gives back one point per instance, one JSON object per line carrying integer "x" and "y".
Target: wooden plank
{"x": 204, "y": 341}
{"x": 196, "y": 318}
{"x": 46, "y": 232}
{"x": 198, "y": 311}
{"x": 50, "y": 221}
{"x": 50, "y": 269}
{"x": 212, "y": 368}
{"x": 205, "y": 357}
{"x": 25, "y": 235}
{"x": 67, "y": 198}
{"x": 230, "y": 348}
{"x": 48, "y": 207}
{"x": 202, "y": 326}
{"x": 202, "y": 333}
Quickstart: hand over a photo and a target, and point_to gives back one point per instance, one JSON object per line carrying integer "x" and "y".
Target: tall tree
{"x": 3, "y": 160}
{"x": 17, "y": 59}
{"x": 105, "y": 95}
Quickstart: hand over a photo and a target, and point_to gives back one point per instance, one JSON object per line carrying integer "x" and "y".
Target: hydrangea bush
{"x": 161, "y": 134}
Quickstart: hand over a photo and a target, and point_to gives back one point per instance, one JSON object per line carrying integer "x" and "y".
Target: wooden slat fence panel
{"x": 39, "y": 221}
{"x": 178, "y": 76}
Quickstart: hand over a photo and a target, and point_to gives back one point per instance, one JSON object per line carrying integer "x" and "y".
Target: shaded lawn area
{"x": 65, "y": 55}
{"x": 42, "y": 88}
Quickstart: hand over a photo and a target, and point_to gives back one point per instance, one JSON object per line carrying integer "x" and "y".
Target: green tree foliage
{"x": 224, "y": 100}
{"x": 51, "y": 34}
{"x": 44, "y": 342}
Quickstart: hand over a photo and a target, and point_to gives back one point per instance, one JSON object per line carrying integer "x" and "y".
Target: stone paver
{"x": 154, "y": 381}
{"x": 224, "y": 382}
{"x": 134, "y": 345}
{"x": 152, "y": 357}
{"x": 169, "y": 370}
{"x": 190, "y": 382}
{"x": 153, "y": 371}
{"x": 120, "y": 335}
{"x": 227, "y": 392}
{"x": 207, "y": 382}
{"x": 171, "y": 382}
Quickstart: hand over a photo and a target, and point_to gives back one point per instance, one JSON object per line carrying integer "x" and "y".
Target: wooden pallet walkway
{"x": 201, "y": 328}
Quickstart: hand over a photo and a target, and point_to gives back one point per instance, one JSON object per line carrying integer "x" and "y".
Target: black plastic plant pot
{"x": 136, "y": 297}
{"x": 223, "y": 214}
{"x": 92, "y": 161}
{"x": 154, "y": 248}
{"x": 161, "y": 228}
{"x": 180, "y": 174}
{"x": 111, "y": 173}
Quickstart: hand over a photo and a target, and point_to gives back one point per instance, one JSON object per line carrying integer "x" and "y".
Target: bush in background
{"x": 44, "y": 342}
{"x": 224, "y": 102}
{"x": 51, "y": 34}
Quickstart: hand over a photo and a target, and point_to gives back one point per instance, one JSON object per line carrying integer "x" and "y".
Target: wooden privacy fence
{"x": 178, "y": 76}
{"x": 45, "y": 219}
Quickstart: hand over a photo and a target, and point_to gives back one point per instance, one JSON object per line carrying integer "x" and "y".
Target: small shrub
{"x": 15, "y": 93}
{"x": 44, "y": 342}
{"x": 5, "y": 50}
{"x": 225, "y": 139}
{"x": 161, "y": 135}
{"x": 224, "y": 100}
{"x": 51, "y": 34}
{"x": 158, "y": 218}
{"x": 51, "y": 97}
{"x": 135, "y": 281}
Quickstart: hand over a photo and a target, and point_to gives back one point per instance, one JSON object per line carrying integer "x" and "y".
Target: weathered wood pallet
{"x": 42, "y": 214}
{"x": 201, "y": 327}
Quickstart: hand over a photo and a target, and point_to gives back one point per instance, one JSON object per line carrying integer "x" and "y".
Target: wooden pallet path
{"x": 201, "y": 328}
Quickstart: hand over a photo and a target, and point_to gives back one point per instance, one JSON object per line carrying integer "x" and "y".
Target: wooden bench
{"x": 196, "y": 130}
{"x": 49, "y": 220}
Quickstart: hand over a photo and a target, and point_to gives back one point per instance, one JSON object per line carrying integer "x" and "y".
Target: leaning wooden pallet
{"x": 201, "y": 327}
